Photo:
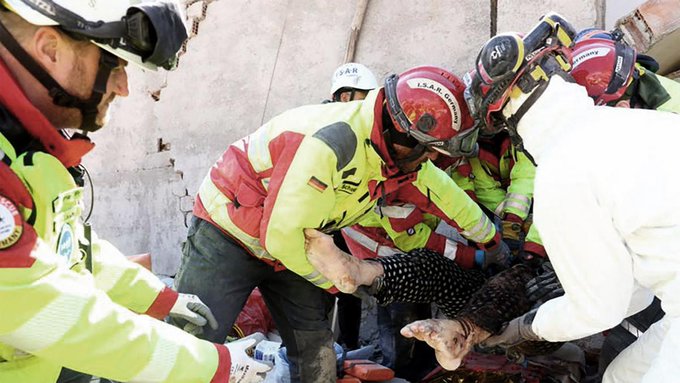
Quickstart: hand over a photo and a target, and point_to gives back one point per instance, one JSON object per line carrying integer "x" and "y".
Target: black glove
{"x": 544, "y": 287}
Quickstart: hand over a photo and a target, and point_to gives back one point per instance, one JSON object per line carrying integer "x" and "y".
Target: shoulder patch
{"x": 11, "y": 225}
{"x": 341, "y": 139}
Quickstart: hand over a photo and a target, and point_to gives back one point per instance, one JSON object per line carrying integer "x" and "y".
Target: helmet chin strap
{"x": 60, "y": 96}
{"x": 513, "y": 120}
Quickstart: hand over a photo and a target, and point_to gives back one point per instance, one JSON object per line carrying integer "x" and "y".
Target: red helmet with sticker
{"x": 603, "y": 66}
{"x": 427, "y": 103}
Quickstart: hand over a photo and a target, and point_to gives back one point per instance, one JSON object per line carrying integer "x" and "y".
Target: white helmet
{"x": 353, "y": 75}
{"x": 146, "y": 33}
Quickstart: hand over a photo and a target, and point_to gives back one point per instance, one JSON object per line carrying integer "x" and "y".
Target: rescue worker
{"x": 633, "y": 84}
{"x": 401, "y": 227}
{"x": 502, "y": 180}
{"x": 351, "y": 82}
{"x": 68, "y": 298}
{"x": 321, "y": 167}
{"x": 617, "y": 238}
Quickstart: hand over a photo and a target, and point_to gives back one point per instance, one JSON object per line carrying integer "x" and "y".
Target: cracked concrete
{"x": 247, "y": 61}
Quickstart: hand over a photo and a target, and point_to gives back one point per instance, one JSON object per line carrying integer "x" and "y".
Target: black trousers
{"x": 223, "y": 274}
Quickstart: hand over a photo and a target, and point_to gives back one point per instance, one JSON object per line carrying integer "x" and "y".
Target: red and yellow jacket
{"x": 323, "y": 167}
{"x": 63, "y": 305}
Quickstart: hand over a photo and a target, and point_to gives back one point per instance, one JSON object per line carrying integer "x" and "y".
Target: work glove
{"x": 515, "y": 332}
{"x": 245, "y": 369}
{"x": 544, "y": 287}
{"x": 511, "y": 230}
{"x": 190, "y": 308}
{"x": 499, "y": 256}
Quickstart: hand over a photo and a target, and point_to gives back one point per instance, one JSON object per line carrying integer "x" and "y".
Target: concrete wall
{"x": 248, "y": 61}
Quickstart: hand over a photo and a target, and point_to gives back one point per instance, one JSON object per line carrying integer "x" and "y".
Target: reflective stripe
{"x": 517, "y": 201}
{"x": 316, "y": 278}
{"x": 481, "y": 232}
{"x": 386, "y": 251}
{"x": 361, "y": 239}
{"x": 450, "y": 249}
{"x": 258, "y": 151}
{"x": 372, "y": 245}
{"x": 631, "y": 328}
{"x": 400, "y": 212}
{"x": 215, "y": 203}
{"x": 162, "y": 361}
{"x": 449, "y": 232}
{"x": 48, "y": 326}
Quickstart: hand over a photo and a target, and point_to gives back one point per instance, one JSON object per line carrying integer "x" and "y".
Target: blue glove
{"x": 499, "y": 255}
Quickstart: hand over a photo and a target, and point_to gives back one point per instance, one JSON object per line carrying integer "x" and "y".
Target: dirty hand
{"x": 517, "y": 331}
{"x": 245, "y": 369}
{"x": 190, "y": 308}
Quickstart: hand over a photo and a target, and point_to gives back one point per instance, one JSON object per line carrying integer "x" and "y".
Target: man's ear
{"x": 45, "y": 46}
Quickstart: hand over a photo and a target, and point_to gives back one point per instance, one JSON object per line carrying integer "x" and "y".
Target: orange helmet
{"x": 427, "y": 104}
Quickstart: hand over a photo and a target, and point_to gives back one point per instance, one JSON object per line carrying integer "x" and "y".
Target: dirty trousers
{"x": 222, "y": 273}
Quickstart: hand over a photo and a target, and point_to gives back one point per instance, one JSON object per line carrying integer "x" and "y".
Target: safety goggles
{"x": 153, "y": 31}
{"x": 463, "y": 144}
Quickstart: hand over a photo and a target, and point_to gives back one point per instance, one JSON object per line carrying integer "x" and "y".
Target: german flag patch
{"x": 317, "y": 184}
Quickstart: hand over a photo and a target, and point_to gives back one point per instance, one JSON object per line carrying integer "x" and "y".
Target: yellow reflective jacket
{"x": 57, "y": 313}
{"x": 317, "y": 166}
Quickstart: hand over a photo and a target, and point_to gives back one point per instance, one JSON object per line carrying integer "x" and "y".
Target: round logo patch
{"x": 10, "y": 223}
{"x": 65, "y": 244}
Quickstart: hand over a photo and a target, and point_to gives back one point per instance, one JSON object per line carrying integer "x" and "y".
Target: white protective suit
{"x": 607, "y": 206}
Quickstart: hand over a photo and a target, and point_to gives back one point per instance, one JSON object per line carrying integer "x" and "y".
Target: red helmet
{"x": 427, "y": 103}
{"x": 603, "y": 66}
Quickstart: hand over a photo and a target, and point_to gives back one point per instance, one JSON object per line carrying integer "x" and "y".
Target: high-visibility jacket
{"x": 398, "y": 226}
{"x": 500, "y": 177}
{"x": 673, "y": 89}
{"x": 318, "y": 166}
{"x": 65, "y": 303}
{"x": 617, "y": 235}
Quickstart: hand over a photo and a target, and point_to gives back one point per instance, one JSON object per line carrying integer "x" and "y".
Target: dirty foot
{"x": 345, "y": 271}
{"x": 447, "y": 337}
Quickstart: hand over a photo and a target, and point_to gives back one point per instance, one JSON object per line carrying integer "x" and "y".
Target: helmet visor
{"x": 461, "y": 145}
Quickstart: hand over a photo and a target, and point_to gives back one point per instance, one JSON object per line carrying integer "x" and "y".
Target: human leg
{"x": 220, "y": 272}
{"x": 301, "y": 312}
{"x": 349, "y": 320}
{"x": 410, "y": 359}
{"x": 627, "y": 332}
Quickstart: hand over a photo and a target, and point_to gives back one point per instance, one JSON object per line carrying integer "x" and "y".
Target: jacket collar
{"x": 13, "y": 99}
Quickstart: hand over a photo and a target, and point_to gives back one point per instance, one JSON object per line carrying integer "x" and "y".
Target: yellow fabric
{"x": 490, "y": 193}
{"x": 454, "y": 203}
{"x": 54, "y": 311}
{"x": 673, "y": 89}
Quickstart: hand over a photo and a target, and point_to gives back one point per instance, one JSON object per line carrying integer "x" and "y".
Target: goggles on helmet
{"x": 148, "y": 34}
{"x": 463, "y": 144}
